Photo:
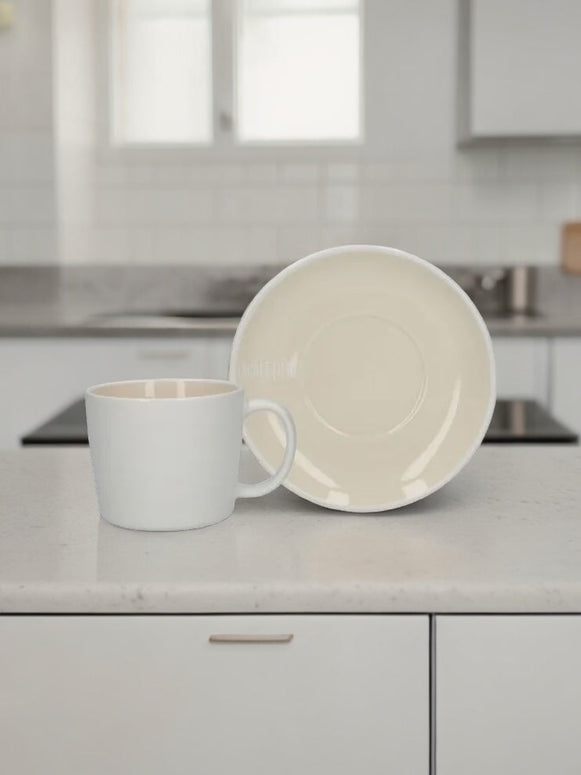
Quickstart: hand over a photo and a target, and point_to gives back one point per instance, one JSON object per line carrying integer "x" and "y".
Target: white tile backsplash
{"x": 361, "y": 234}
{"x": 248, "y": 244}
{"x": 183, "y": 245}
{"x": 114, "y": 245}
{"x": 476, "y": 165}
{"x": 215, "y": 175}
{"x": 407, "y": 202}
{"x": 260, "y": 245}
{"x": 139, "y": 175}
{"x": 115, "y": 176}
{"x": 341, "y": 204}
{"x": 5, "y": 246}
{"x": 179, "y": 205}
{"x": 484, "y": 244}
{"x": 296, "y": 241}
{"x": 20, "y": 206}
{"x": 231, "y": 244}
{"x": 26, "y": 157}
{"x": 263, "y": 173}
{"x": 342, "y": 172}
{"x": 530, "y": 244}
{"x": 33, "y": 245}
{"x": 268, "y": 205}
{"x": 176, "y": 176}
{"x": 116, "y": 207}
{"x": 538, "y": 163}
{"x": 500, "y": 202}
{"x": 560, "y": 201}
{"x": 300, "y": 173}
{"x": 209, "y": 245}
{"x": 141, "y": 245}
{"x": 437, "y": 243}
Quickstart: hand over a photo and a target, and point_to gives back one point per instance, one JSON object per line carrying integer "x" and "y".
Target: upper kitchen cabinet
{"x": 519, "y": 67}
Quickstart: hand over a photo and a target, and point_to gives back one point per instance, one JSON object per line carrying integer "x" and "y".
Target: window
{"x": 295, "y": 71}
{"x": 162, "y": 71}
{"x": 298, "y": 70}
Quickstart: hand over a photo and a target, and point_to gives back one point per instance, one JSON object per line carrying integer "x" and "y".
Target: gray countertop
{"x": 547, "y": 324}
{"x": 504, "y": 536}
{"x": 71, "y": 301}
{"x": 49, "y": 320}
{"x": 46, "y": 320}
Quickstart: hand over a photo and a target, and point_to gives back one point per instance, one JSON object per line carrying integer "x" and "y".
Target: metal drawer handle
{"x": 243, "y": 638}
{"x": 163, "y": 355}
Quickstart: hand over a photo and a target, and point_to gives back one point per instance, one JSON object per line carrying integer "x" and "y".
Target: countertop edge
{"x": 71, "y": 330}
{"x": 90, "y": 599}
{"x": 228, "y": 327}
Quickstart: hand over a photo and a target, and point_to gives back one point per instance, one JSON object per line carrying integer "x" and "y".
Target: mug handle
{"x": 270, "y": 484}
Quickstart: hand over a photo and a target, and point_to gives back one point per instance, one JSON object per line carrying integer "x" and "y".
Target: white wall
{"x": 413, "y": 189}
{"x": 27, "y": 200}
{"x": 75, "y": 125}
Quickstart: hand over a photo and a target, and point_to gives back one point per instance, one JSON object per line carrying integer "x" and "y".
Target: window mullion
{"x": 223, "y": 12}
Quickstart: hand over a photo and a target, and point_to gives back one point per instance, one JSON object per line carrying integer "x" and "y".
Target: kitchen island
{"x": 290, "y": 638}
{"x": 504, "y": 536}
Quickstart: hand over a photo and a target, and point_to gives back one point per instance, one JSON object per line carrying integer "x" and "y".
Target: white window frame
{"x": 224, "y": 145}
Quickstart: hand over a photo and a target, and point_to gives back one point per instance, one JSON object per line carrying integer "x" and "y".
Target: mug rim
{"x": 92, "y": 390}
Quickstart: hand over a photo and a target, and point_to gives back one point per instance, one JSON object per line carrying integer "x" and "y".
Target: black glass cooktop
{"x": 515, "y": 421}
{"x": 521, "y": 421}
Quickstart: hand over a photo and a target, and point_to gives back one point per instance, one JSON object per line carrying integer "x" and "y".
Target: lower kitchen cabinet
{"x": 567, "y": 381}
{"x": 144, "y": 695}
{"x": 508, "y": 692}
{"x": 41, "y": 376}
{"x": 522, "y": 367}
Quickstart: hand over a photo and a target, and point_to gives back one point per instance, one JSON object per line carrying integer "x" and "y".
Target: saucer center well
{"x": 363, "y": 375}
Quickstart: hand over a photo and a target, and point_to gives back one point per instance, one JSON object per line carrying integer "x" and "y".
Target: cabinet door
{"x": 567, "y": 382}
{"x": 143, "y": 695}
{"x": 508, "y": 692}
{"x": 522, "y": 369}
{"x": 41, "y": 376}
{"x": 524, "y": 65}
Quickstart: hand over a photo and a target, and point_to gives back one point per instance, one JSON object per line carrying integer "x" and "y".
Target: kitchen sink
{"x": 499, "y": 293}
{"x": 158, "y": 319}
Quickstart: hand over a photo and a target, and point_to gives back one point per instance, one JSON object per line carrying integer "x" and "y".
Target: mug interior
{"x": 163, "y": 388}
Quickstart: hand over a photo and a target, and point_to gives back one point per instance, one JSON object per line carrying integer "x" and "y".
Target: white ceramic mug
{"x": 166, "y": 451}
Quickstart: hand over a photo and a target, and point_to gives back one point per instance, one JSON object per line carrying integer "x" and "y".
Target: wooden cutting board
{"x": 571, "y": 247}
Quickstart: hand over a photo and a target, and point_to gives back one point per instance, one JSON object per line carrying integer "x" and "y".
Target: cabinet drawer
{"x": 148, "y": 694}
{"x": 508, "y": 695}
{"x": 567, "y": 381}
{"x": 522, "y": 367}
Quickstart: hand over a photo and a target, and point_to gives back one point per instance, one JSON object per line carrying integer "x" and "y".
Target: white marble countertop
{"x": 504, "y": 536}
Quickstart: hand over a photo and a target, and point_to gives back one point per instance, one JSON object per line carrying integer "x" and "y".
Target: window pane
{"x": 310, "y": 6}
{"x": 162, "y": 71}
{"x": 298, "y": 70}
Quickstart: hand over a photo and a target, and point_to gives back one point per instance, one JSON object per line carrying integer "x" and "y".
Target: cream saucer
{"x": 386, "y": 367}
